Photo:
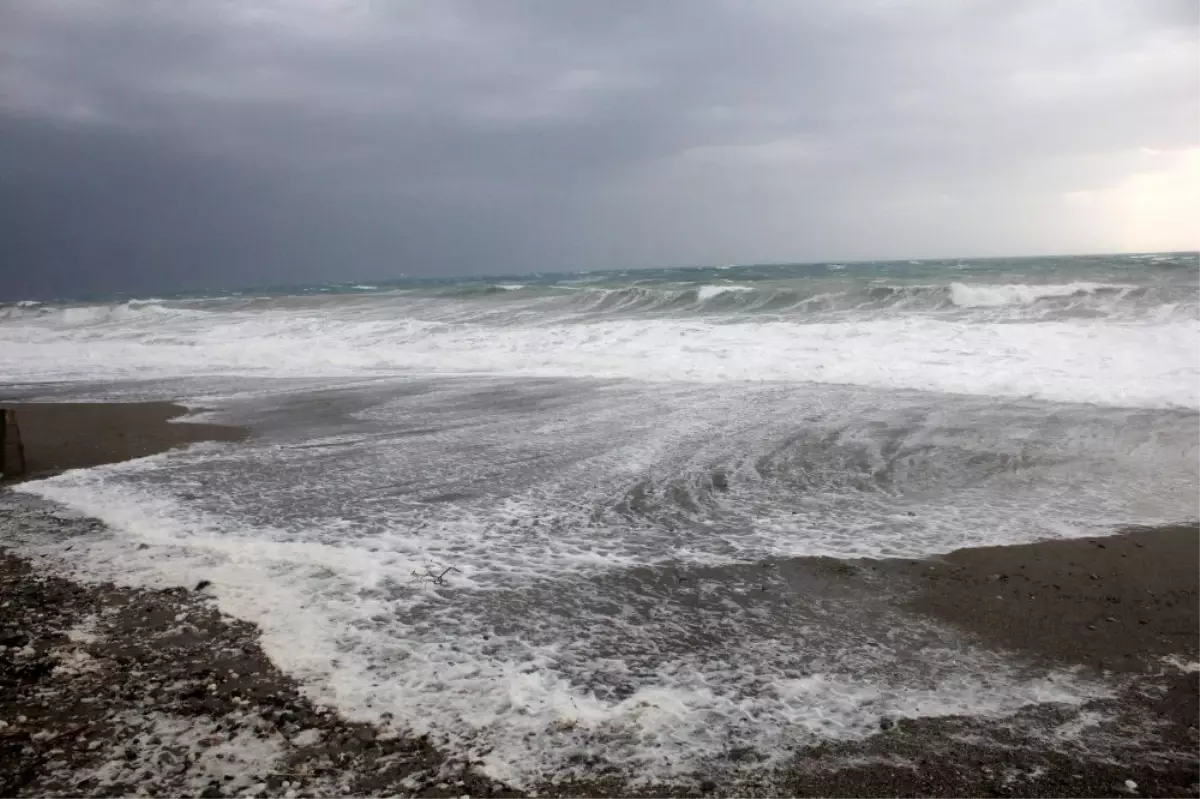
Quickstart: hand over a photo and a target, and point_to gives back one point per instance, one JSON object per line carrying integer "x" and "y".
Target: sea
{"x": 547, "y": 519}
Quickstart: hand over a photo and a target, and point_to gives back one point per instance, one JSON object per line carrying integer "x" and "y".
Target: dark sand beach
{"x": 58, "y": 436}
{"x": 113, "y": 691}
{"x": 1118, "y": 603}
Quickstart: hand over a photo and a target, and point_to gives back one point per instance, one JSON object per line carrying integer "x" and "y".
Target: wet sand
{"x": 111, "y": 691}
{"x": 1123, "y": 608}
{"x": 75, "y": 435}
{"x": 1119, "y": 603}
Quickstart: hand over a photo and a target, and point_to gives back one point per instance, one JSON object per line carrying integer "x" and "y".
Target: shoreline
{"x": 1118, "y": 603}
{"x": 123, "y": 689}
{"x": 106, "y": 690}
{"x": 59, "y": 436}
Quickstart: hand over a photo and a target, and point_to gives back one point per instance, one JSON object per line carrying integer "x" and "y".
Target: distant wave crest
{"x": 85, "y": 315}
{"x": 991, "y": 296}
{"x": 1066, "y": 299}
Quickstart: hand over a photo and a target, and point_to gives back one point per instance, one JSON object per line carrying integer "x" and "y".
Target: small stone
{"x": 1110, "y": 618}
{"x": 741, "y": 754}
{"x": 1130, "y": 785}
{"x": 886, "y": 724}
{"x": 14, "y": 639}
{"x": 306, "y": 737}
{"x": 200, "y": 586}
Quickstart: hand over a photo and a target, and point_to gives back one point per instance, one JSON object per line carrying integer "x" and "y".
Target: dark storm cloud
{"x": 198, "y": 143}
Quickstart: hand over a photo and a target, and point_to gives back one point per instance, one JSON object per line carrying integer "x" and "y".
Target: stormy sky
{"x": 200, "y": 143}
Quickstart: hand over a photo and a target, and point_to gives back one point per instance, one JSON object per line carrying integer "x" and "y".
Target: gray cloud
{"x": 190, "y": 144}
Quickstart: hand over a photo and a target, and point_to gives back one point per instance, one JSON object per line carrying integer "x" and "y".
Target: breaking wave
{"x": 1020, "y": 294}
{"x": 85, "y": 315}
{"x": 1048, "y": 300}
{"x": 1127, "y": 337}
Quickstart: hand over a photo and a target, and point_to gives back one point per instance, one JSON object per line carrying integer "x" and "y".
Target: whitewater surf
{"x": 607, "y": 461}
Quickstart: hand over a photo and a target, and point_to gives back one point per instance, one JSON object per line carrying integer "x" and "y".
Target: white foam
{"x": 978, "y": 295}
{"x": 710, "y": 291}
{"x": 132, "y": 311}
{"x": 1179, "y": 664}
{"x": 503, "y": 659}
{"x": 520, "y": 705}
{"x": 1148, "y": 364}
{"x": 1164, "y": 257}
{"x": 510, "y": 286}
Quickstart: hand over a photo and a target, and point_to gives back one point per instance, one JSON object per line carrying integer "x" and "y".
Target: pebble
{"x": 306, "y": 737}
{"x": 1130, "y": 785}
